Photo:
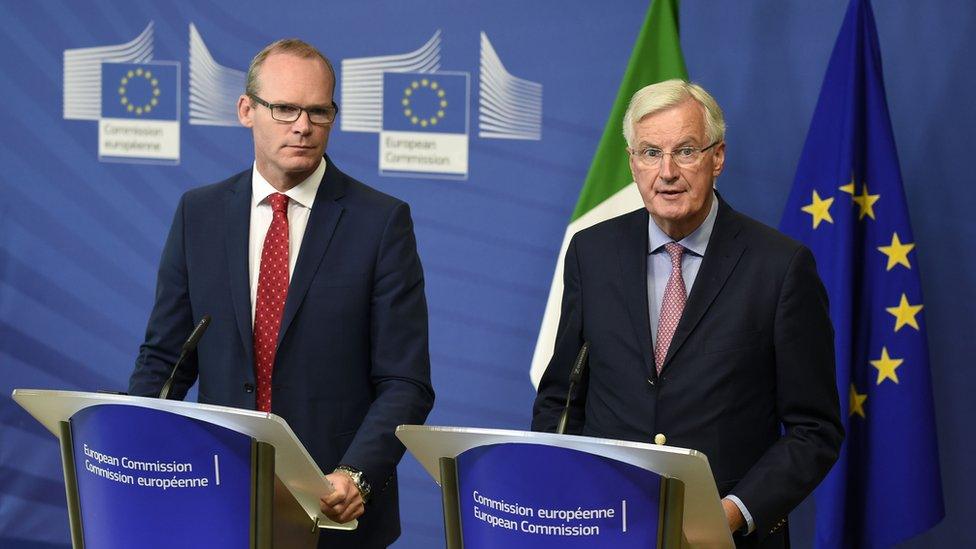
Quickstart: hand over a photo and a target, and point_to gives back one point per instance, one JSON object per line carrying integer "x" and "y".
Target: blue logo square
{"x": 425, "y": 102}
{"x": 140, "y": 91}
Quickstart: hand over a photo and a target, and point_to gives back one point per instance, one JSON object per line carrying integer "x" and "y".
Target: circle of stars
{"x": 127, "y": 80}
{"x": 424, "y": 84}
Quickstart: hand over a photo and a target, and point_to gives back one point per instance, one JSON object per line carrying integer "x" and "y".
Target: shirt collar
{"x": 303, "y": 193}
{"x": 696, "y": 242}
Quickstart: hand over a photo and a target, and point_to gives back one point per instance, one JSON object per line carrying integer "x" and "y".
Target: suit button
{"x": 248, "y": 387}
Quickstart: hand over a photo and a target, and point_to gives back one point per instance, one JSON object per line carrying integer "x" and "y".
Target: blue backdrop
{"x": 86, "y": 196}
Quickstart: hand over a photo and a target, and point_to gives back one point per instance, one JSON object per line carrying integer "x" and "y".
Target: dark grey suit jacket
{"x": 352, "y": 360}
{"x": 749, "y": 377}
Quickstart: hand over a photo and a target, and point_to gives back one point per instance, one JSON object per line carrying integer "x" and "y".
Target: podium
{"x": 517, "y": 489}
{"x": 145, "y": 472}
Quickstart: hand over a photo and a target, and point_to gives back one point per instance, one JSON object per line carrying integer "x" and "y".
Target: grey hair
{"x": 290, "y": 46}
{"x": 664, "y": 95}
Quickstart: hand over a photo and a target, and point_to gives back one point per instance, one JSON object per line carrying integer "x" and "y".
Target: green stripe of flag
{"x": 656, "y": 57}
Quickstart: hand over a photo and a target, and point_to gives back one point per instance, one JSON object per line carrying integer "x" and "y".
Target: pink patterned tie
{"x": 272, "y": 291}
{"x": 672, "y": 306}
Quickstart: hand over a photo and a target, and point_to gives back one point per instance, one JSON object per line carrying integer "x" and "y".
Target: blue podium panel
{"x": 532, "y": 496}
{"x": 148, "y": 478}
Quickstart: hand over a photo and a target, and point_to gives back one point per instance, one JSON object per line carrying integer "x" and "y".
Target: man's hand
{"x": 345, "y": 503}
{"x": 733, "y": 514}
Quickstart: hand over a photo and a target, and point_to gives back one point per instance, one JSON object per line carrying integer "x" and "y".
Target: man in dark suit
{"x": 316, "y": 293}
{"x": 707, "y": 329}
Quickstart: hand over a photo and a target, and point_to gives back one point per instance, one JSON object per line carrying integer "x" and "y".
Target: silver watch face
{"x": 363, "y": 487}
{"x": 357, "y": 478}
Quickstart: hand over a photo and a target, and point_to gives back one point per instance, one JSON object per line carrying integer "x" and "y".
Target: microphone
{"x": 188, "y": 347}
{"x": 575, "y": 375}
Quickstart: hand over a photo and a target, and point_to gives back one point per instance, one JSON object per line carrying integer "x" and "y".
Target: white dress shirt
{"x": 300, "y": 201}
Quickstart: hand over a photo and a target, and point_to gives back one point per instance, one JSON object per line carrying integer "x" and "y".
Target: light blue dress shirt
{"x": 659, "y": 262}
{"x": 658, "y": 273}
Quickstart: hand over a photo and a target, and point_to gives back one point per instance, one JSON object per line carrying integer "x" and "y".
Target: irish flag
{"x": 609, "y": 189}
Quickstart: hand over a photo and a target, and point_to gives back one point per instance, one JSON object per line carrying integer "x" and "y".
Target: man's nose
{"x": 303, "y": 124}
{"x": 669, "y": 170}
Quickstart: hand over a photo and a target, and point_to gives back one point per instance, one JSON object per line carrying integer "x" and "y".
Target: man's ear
{"x": 719, "y": 162}
{"x": 245, "y": 111}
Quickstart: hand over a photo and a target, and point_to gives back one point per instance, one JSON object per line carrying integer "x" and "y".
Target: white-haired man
{"x": 704, "y": 325}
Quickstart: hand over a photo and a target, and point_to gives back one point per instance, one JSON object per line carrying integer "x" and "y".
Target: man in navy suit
{"x": 316, "y": 292}
{"x": 707, "y": 329}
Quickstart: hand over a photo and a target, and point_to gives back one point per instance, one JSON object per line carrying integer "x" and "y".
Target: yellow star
{"x": 857, "y": 403}
{"x": 886, "y": 366}
{"x": 866, "y": 202}
{"x": 819, "y": 209}
{"x": 849, "y": 188}
{"x": 905, "y": 313}
{"x": 897, "y": 252}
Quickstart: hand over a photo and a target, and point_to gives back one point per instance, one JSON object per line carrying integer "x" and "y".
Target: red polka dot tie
{"x": 272, "y": 291}
{"x": 672, "y": 306}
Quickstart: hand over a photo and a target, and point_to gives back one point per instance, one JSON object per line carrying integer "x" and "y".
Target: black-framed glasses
{"x": 283, "y": 112}
{"x": 684, "y": 156}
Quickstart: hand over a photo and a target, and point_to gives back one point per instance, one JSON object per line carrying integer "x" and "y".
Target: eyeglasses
{"x": 282, "y": 112}
{"x": 683, "y": 156}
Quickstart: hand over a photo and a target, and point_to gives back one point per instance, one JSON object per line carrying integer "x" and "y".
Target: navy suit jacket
{"x": 352, "y": 360}
{"x": 748, "y": 379}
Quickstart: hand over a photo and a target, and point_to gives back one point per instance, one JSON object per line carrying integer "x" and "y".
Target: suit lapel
{"x": 237, "y": 212}
{"x": 632, "y": 259}
{"x": 721, "y": 256}
{"x": 322, "y": 223}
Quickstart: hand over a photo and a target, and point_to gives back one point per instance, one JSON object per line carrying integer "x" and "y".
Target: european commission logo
{"x": 422, "y": 113}
{"x": 140, "y": 112}
{"x": 135, "y": 100}
{"x": 425, "y": 124}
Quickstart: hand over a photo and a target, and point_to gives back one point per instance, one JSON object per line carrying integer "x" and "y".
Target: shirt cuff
{"x": 750, "y": 524}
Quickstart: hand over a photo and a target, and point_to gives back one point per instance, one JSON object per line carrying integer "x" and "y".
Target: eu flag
{"x": 847, "y": 204}
{"x": 425, "y": 102}
{"x": 147, "y": 91}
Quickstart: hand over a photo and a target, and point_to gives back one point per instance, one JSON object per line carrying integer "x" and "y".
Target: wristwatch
{"x": 358, "y": 479}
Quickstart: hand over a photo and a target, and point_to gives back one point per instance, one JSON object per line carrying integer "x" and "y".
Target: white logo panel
{"x": 120, "y": 138}
{"x": 405, "y": 153}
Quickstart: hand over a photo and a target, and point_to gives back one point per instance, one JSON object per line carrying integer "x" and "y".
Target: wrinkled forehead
{"x": 677, "y": 124}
